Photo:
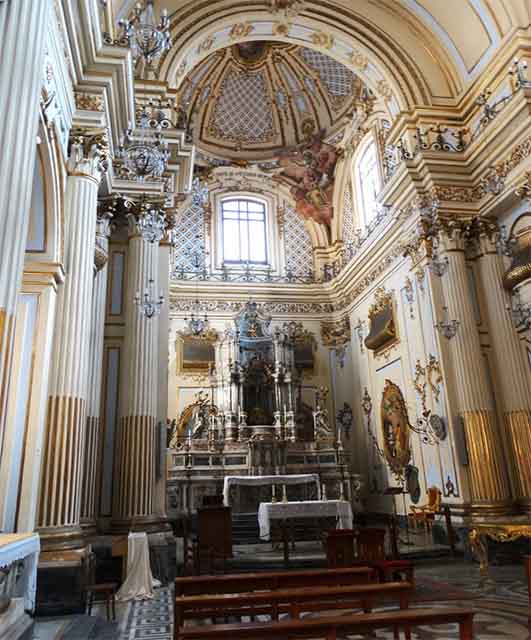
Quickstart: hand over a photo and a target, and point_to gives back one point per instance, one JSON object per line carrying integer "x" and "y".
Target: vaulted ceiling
{"x": 253, "y": 99}
{"x": 429, "y": 50}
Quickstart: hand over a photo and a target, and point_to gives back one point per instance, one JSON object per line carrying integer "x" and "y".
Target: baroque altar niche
{"x": 252, "y": 419}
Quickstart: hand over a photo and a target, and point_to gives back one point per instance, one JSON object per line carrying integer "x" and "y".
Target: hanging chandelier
{"x": 144, "y": 153}
{"x": 147, "y": 304}
{"x": 151, "y": 221}
{"x": 147, "y": 38}
{"x": 196, "y": 325}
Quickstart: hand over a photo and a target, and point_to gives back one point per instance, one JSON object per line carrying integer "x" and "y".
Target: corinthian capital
{"x": 88, "y": 153}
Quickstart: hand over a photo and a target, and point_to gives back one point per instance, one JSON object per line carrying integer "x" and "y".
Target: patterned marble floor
{"x": 502, "y": 607}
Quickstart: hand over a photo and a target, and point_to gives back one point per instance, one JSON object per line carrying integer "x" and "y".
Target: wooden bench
{"x": 244, "y": 582}
{"x": 329, "y": 627}
{"x": 290, "y": 601}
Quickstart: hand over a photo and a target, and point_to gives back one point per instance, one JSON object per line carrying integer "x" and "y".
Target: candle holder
{"x": 147, "y": 304}
{"x": 284, "y": 493}
{"x": 447, "y": 328}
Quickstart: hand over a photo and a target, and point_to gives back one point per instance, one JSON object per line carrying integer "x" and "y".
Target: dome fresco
{"x": 254, "y": 99}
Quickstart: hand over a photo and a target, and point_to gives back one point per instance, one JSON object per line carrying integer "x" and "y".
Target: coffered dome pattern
{"x": 253, "y": 99}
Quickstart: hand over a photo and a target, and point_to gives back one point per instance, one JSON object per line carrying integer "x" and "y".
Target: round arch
{"x": 200, "y": 28}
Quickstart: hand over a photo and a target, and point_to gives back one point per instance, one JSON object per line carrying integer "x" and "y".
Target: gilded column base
{"x": 149, "y": 524}
{"x": 490, "y": 510}
{"x": 489, "y": 483}
{"x": 61, "y": 538}
{"x": 89, "y": 527}
{"x": 518, "y": 427}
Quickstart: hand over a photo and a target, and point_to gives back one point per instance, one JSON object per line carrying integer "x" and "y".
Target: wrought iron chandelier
{"x": 151, "y": 222}
{"x": 195, "y": 324}
{"x": 146, "y": 303}
{"x": 147, "y": 38}
{"x": 144, "y": 153}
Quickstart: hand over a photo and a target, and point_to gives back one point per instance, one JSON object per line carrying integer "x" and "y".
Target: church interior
{"x": 265, "y": 319}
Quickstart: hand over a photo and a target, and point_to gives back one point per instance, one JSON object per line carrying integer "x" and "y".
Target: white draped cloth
{"x": 139, "y": 583}
{"x": 267, "y": 511}
{"x": 26, "y": 547}
{"x": 302, "y": 478}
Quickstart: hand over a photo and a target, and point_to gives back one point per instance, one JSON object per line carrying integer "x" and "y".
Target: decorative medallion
{"x": 395, "y": 428}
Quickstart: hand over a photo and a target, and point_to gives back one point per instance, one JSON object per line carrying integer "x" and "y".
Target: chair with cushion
{"x": 99, "y": 592}
{"x": 371, "y": 551}
{"x": 426, "y": 513}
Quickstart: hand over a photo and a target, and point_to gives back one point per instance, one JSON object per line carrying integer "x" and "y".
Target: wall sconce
{"x": 447, "y": 328}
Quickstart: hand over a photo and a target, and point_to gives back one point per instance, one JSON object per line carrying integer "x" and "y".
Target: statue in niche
{"x": 308, "y": 171}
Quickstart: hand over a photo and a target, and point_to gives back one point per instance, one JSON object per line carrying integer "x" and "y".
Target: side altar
{"x": 253, "y": 422}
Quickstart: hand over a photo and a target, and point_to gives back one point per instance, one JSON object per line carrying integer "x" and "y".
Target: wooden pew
{"x": 243, "y": 582}
{"x": 329, "y": 627}
{"x": 291, "y": 601}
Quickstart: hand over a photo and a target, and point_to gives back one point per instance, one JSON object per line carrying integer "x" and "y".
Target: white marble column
{"x": 60, "y": 491}
{"x": 91, "y": 473}
{"x": 489, "y": 484}
{"x": 22, "y": 30}
{"x": 512, "y": 369}
{"x": 134, "y": 481}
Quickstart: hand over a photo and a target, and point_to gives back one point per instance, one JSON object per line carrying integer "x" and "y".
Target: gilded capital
{"x": 88, "y": 153}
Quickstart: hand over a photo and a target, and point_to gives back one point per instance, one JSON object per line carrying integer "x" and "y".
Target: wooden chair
{"x": 426, "y": 513}
{"x": 340, "y": 548}
{"x": 102, "y": 592}
{"x": 371, "y": 551}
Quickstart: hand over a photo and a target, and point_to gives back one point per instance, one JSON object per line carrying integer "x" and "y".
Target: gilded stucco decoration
{"x": 249, "y": 101}
{"x": 287, "y": 8}
{"x": 395, "y": 428}
{"x": 88, "y": 101}
{"x": 382, "y": 324}
{"x": 335, "y": 334}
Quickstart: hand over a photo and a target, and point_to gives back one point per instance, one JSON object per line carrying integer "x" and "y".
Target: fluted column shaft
{"x": 513, "y": 371}
{"x": 134, "y": 493}
{"x": 20, "y": 83}
{"x": 91, "y": 474}
{"x": 489, "y": 485}
{"x": 60, "y": 491}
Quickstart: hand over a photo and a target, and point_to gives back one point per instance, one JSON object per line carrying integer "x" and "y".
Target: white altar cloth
{"x": 293, "y": 478}
{"x": 267, "y": 511}
{"x": 26, "y": 547}
{"x": 139, "y": 582}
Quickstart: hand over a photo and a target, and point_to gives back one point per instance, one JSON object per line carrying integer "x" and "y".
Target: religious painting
{"x": 194, "y": 355}
{"x": 395, "y": 428}
{"x": 303, "y": 354}
{"x": 382, "y": 325}
{"x": 308, "y": 171}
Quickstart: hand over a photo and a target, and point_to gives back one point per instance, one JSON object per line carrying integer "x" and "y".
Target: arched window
{"x": 244, "y": 236}
{"x": 368, "y": 182}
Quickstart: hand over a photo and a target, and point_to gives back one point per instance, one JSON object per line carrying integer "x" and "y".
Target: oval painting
{"x": 395, "y": 427}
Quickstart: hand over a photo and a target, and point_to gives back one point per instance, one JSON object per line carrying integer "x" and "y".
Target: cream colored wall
{"x": 417, "y": 341}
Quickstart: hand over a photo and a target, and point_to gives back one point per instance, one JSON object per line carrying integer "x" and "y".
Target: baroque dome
{"x": 251, "y": 100}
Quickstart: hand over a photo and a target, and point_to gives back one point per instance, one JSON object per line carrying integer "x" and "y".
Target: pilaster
{"x": 20, "y": 84}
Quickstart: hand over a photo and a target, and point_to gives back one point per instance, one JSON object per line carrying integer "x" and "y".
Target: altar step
{"x": 245, "y": 528}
